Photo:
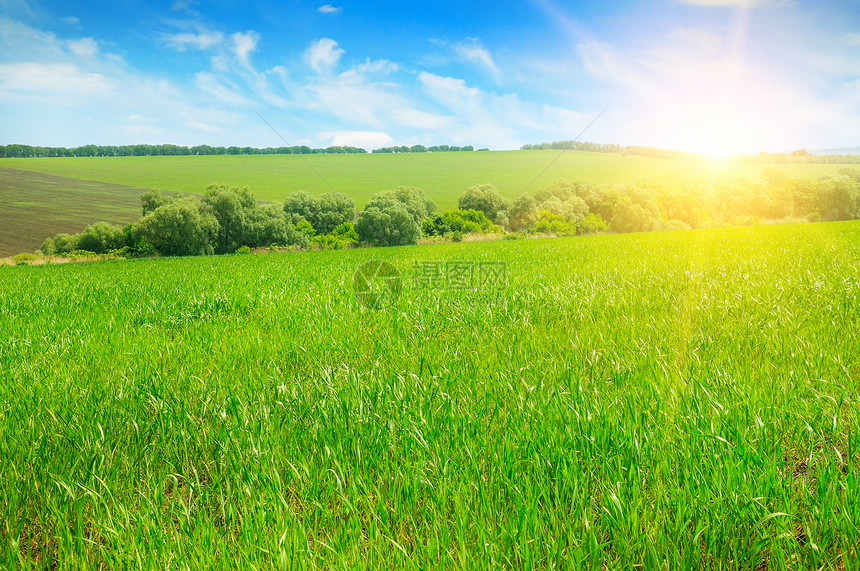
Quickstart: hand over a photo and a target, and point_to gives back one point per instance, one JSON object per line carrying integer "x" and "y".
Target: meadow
{"x": 40, "y": 197}
{"x": 669, "y": 400}
{"x": 443, "y": 176}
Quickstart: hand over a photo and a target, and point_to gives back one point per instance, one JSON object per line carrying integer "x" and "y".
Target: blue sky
{"x": 720, "y": 76}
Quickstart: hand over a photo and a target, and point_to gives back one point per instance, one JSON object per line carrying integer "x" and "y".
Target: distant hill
{"x": 840, "y": 151}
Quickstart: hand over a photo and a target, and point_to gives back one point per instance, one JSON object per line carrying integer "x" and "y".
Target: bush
{"x": 467, "y": 222}
{"x": 813, "y": 217}
{"x": 100, "y": 238}
{"x": 591, "y": 224}
{"x": 485, "y": 198}
{"x": 23, "y": 258}
{"x": 549, "y": 223}
{"x": 182, "y": 228}
{"x": 523, "y": 213}
{"x": 385, "y": 221}
{"x": 243, "y": 250}
{"x": 457, "y": 237}
{"x": 324, "y": 214}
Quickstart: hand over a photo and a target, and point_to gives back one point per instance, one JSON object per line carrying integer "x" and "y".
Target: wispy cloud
{"x": 52, "y": 79}
{"x": 84, "y": 48}
{"x": 243, "y": 45}
{"x": 473, "y": 52}
{"x": 323, "y": 54}
{"x": 201, "y": 41}
{"x": 738, "y": 3}
{"x": 329, "y": 9}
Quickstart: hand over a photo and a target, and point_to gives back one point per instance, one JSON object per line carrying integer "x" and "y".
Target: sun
{"x": 716, "y": 136}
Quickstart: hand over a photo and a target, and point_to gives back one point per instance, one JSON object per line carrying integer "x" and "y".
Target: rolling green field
{"x": 443, "y": 176}
{"x": 33, "y": 208}
{"x": 674, "y": 400}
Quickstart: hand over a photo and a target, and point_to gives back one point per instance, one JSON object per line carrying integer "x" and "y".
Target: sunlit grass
{"x": 674, "y": 400}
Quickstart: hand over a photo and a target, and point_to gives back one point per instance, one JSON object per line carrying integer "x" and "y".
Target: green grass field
{"x": 33, "y": 208}
{"x": 444, "y": 176}
{"x": 675, "y": 400}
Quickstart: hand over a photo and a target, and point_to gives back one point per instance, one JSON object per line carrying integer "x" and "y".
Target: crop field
{"x": 35, "y": 206}
{"x": 443, "y": 176}
{"x": 43, "y": 196}
{"x": 673, "y": 400}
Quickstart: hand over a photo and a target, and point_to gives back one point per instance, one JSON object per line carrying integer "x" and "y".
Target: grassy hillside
{"x": 661, "y": 400}
{"x": 444, "y": 176}
{"x": 34, "y": 206}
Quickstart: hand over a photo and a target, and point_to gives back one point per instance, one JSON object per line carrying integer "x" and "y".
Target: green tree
{"x": 523, "y": 213}
{"x": 300, "y": 206}
{"x": 385, "y": 221}
{"x": 183, "y": 228}
{"x": 591, "y": 224}
{"x": 838, "y": 197}
{"x": 268, "y": 225}
{"x": 234, "y": 209}
{"x": 630, "y": 216}
{"x": 152, "y": 199}
{"x": 100, "y": 238}
{"x": 486, "y": 198}
{"x": 332, "y": 210}
{"x": 552, "y": 223}
{"x": 415, "y": 201}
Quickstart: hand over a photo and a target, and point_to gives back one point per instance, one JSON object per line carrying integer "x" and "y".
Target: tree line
{"x": 229, "y": 219}
{"x": 430, "y": 149}
{"x": 801, "y": 156}
{"x": 27, "y": 151}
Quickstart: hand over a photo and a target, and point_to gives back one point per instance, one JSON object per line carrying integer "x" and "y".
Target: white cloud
{"x": 329, "y": 9}
{"x": 201, "y": 41}
{"x": 377, "y": 66}
{"x": 243, "y": 45}
{"x": 52, "y": 78}
{"x": 421, "y": 119}
{"x": 363, "y": 139}
{"x": 183, "y": 5}
{"x": 71, "y": 20}
{"x": 201, "y": 126}
{"x": 323, "y": 54}
{"x": 85, "y": 47}
{"x": 737, "y": 3}
{"x": 219, "y": 89}
{"x": 472, "y": 51}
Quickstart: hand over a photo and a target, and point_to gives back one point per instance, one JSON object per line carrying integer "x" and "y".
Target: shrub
{"x": 324, "y": 214}
{"x": 591, "y": 224}
{"x": 467, "y": 222}
{"x": 23, "y": 258}
{"x": 243, "y": 250}
{"x": 100, "y": 238}
{"x": 182, "y": 228}
{"x": 485, "y": 198}
{"x": 549, "y": 223}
